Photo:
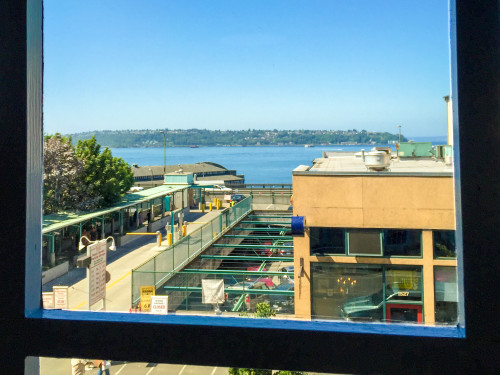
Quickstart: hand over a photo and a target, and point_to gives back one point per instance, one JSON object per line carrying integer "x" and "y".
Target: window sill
{"x": 253, "y": 323}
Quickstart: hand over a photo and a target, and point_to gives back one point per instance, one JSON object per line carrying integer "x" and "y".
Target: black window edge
{"x": 476, "y": 79}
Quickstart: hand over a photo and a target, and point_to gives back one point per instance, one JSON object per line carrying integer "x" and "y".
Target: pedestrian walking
{"x": 103, "y": 366}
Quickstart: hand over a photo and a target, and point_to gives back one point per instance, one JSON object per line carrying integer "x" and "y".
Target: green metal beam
{"x": 238, "y": 304}
{"x": 244, "y": 246}
{"x": 249, "y": 236}
{"x": 235, "y": 272}
{"x": 266, "y": 222}
{"x": 232, "y": 291}
{"x": 263, "y": 229}
{"x": 237, "y": 257}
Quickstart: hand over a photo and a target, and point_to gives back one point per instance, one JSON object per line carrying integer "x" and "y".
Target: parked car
{"x": 266, "y": 280}
{"x": 285, "y": 252}
{"x": 283, "y": 303}
{"x": 219, "y": 189}
{"x": 237, "y": 198}
{"x": 235, "y": 292}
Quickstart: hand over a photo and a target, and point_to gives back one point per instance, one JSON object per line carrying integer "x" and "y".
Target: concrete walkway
{"x": 120, "y": 264}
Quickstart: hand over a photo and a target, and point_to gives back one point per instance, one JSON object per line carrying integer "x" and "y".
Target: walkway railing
{"x": 164, "y": 265}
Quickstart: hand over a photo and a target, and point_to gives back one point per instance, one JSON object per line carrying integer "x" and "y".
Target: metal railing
{"x": 160, "y": 268}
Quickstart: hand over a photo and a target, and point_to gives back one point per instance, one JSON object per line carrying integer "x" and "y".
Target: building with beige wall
{"x": 379, "y": 239}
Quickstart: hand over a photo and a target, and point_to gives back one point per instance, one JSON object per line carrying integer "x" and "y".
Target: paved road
{"x": 54, "y": 366}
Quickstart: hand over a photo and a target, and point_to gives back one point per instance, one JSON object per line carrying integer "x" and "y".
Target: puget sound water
{"x": 259, "y": 164}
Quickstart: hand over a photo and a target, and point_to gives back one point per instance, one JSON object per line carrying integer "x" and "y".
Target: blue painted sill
{"x": 238, "y": 322}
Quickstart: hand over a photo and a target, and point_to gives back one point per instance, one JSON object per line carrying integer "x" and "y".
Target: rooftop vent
{"x": 376, "y": 160}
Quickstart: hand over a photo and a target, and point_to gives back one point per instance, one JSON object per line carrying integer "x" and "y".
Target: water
{"x": 259, "y": 164}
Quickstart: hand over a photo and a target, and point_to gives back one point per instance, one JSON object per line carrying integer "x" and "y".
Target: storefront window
{"x": 346, "y": 292}
{"x": 445, "y": 295}
{"x": 444, "y": 244}
{"x": 364, "y": 242}
{"x": 402, "y": 242}
{"x": 326, "y": 241}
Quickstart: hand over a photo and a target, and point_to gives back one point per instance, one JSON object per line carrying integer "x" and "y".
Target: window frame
{"x": 475, "y": 75}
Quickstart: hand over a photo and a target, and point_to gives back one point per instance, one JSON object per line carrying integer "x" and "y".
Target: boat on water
{"x": 193, "y": 146}
{"x": 306, "y": 146}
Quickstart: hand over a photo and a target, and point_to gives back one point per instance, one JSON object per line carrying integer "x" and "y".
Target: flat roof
{"x": 351, "y": 164}
{"x": 61, "y": 220}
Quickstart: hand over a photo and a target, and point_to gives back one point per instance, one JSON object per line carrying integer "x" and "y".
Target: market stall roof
{"x": 65, "y": 219}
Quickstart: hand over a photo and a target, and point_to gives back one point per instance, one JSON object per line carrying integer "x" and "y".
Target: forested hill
{"x": 203, "y": 137}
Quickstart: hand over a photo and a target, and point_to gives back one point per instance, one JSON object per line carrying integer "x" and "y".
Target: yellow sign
{"x": 146, "y": 293}
{"x": 403, "y": 279}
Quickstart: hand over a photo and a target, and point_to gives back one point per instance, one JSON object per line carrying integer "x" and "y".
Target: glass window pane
{"x": 346, "y": 291}
{"x": 402, "y": 242}
{"x": 403, "y": 284}
{"x": 445, "y": 294}
{"x": 444, "y": 244}
{"x": 364, "y": 242}
{"x": 327, "y": 241}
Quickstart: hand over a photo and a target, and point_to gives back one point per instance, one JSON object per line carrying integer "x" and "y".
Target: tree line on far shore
{"x": 250, "y": 137}
{"x": 81, "y": 177}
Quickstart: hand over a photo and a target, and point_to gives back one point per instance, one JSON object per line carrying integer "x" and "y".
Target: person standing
{"x": 93, "y": 234}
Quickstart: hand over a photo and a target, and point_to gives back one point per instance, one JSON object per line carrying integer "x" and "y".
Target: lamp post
{"x": 151, "y": 176}
{"x": 164, "y": 153}
{"x": 85, "y": 261}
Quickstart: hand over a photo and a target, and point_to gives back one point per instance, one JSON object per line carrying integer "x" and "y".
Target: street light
{"x": 81, "y": 245}
{"x": 164, "y": 153}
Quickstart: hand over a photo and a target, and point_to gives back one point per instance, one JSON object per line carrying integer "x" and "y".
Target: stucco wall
{"x": 375, "y": 202}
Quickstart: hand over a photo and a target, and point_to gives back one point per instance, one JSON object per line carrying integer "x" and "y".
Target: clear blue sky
{"x": 263, "y": 64}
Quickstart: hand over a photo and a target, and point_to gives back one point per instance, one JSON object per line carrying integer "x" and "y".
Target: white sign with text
{"x": 159, "y": 304}
{"x": 60, "y": 297}
{"x": 97, "y": 271}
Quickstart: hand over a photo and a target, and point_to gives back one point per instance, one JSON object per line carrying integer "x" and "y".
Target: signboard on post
{"x": 159, "y": 305}
{"x": 212, "y": 291}
{"x": 97, "y": 272}
{"x": 48, "y": 300}
{"x": 60, "y": 297}
{"x": 146, "y": 293}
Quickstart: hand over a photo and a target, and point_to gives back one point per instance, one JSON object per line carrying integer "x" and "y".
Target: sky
{"x": 249, "y": 64}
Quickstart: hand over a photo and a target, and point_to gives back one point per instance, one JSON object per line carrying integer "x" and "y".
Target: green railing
{"x": 160, "y": 268}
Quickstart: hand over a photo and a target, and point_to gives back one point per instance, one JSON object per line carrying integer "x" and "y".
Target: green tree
{"x": 61, "y": 170}
{"x": 107, "y": 177}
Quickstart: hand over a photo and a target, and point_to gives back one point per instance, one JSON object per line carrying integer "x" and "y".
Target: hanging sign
{"x": 97, "y": 271}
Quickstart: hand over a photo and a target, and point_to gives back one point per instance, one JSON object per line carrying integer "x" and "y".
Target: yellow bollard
{"x": 202, "y": 208}
{"x": 169, "y": 238}
{"x": 210, "y": 206}
{"x": 184, "y": 230}
{"x": 215, "y": 234}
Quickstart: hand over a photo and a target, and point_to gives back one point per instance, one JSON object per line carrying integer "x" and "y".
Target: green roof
{"x": 65, "y": 219}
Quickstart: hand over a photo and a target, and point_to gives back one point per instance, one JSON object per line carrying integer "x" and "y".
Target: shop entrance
{"x": 403, "y": 313}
